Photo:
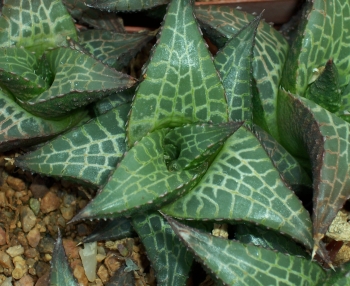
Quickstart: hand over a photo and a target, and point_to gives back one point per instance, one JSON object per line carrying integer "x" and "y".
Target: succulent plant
{"x": 245, "y": 138}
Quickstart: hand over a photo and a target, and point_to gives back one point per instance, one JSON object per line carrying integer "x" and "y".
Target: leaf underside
{"x": 181, "y": 84}
{"x": 234, "y": 263}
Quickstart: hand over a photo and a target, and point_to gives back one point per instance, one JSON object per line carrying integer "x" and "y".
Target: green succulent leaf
{"x": 37, "y": 25}
{"x": 114, "y": 229}
{"x": 18, "y": 128}
{"x": 17, "y": 73}
{"x": 290, "y": 170}
{"x": 252, "y": 234}
{"x": 310, "y": 131}
{"x": 127, "y": 5}
{"x": 79, "y": 80}
{"x": 181, "y": 84}
{"x": 341, "y": 276}
{"x": 151, "y": 186}
{"x": 243, "y": 178}
{"x": 61, "y": 273}
{"x": 320, "y": 37}
{"x": 344, "y": 110}
{"x": 325, "y": 89}
{"x": 234, "y": 263}
{"x": 234, "y": 63}
{"x": 114, "y": 100}
{"x": 87, "y": 154}
{"x": 269, "y": 55}
{"x": 114, "y": 49}
{"x": 98, "y": 19}
{"x": 195, "y": 144}
{"x": 169, "y": 257}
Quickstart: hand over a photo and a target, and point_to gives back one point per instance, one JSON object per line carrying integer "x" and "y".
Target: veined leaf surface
{"x": 151, "y": 186}
{"x": 19, "y": 128}
{"x": 270, "y": 51}
{"x": 309, "y": 130}
{"x": 169, "y": 257}
{"x": 79, "y": 80}
{"x": 234, "y": 63}
{"x": 234, "y": 263}
{"x": 17, "y": 73}
{"x": 114, "y": 49}
{"x": 243, "y": 178}
{"x": 87, "y": 154}
{"x": 181, "y": 84}
{"x": 127, "y": 5}
{"x": 35, "y": 24}
{"x": 96, "y": 18}
{"x": 321, "y": 36}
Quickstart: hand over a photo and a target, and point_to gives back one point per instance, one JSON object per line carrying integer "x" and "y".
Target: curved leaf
{"x": 169, "y": 257}
{"x": 17, "y": 73}
{"x": 36, "y": 25}
{"x": 114, "y": 49}
{"x": 243, "y": 178}
{"x": 251, "y": 234}
{"x": 127, "y": 5}
{"x": 234, "y": 263}
{"x": 61, "y": 273}
{"x": 79, "y": 80}
{"x": 87, "y": 154}
{"x": 270, "y": 51}
{"x": 181, "y": 84}
{"x": 101, "y": 20}
{"x": 234, "y": 63}
{"x": 19, "y": 128}
{"x": 151, "y": 186}
{"x": 320, "y": 37}
{"x": 341, "y": 277}
{"x": 114, "y": 229}
{"x": 310, "y": 131}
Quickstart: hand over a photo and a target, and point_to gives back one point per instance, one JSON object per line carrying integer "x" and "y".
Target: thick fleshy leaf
{"x": 341, "y": 276}
{"x": 270, "y": 51}
{"x": 61, "y": 273}
{"x": 234, "y": 63}
{"x": 127, "y": 5}
{"x": 142, "y": 181}
{"x": 288, "y": 167}
{"x": 114, "y": 229}
{"x": 87, "y": 154}
{"x": 252, "y": 234}
{"x": 114, "y": 49}
{"x": 195, "y": 144}
{"x": 19, "y": 128}
{"x": 181, "y": 84}
{"x": 18, "y": 75}
{"x": 310, "y": 131}
{"x": 79, "y": 80}
{"x": 243, "y": 178}
{"x": 344, "y": 111}
{"x": 35, "y": 24}
{"x": 320, "y": 37}
{"x": 169, "y": 257}
{"x": 114, "y": 100}
{"x": 98, "y": 19}
{"x": 234, "y": 263}
{"x": 324, "y": 90}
